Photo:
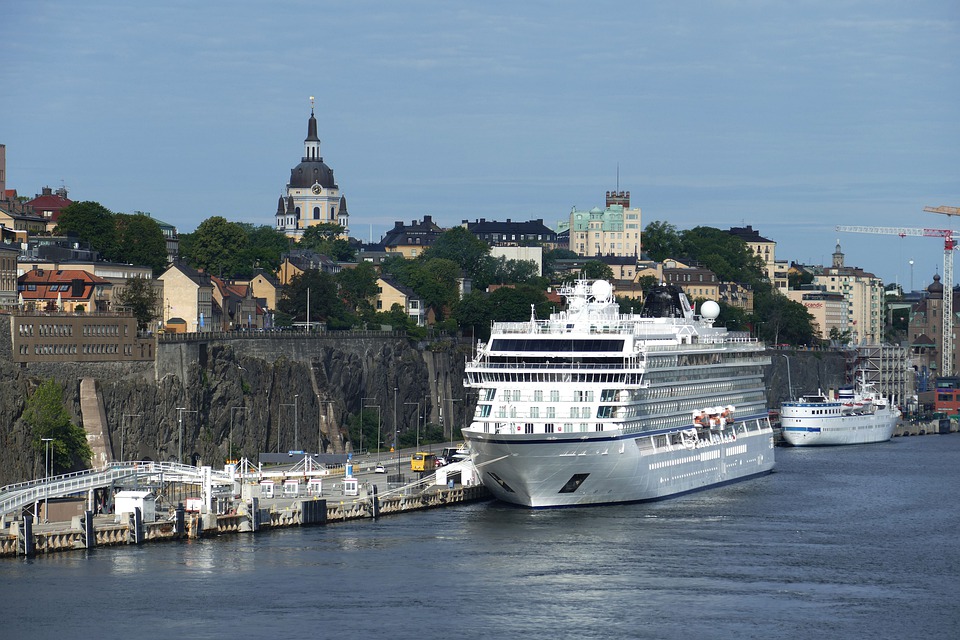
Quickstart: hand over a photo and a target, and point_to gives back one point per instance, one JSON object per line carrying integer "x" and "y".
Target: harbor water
{"x": 846, "y": 542}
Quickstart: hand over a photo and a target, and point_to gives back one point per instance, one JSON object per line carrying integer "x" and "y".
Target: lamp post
{"x": 417, "y": 416}
{"x": 180, "y": 412}
{"x": 296, "y": 422}
{"x": 230, "y": 440}
{"x": 123, "y": 433}
{"x": 286, "y": 404}
{"x": 396, "y": 432}
{"x": 46, "y": 475}
{"x": 378, "y": 427}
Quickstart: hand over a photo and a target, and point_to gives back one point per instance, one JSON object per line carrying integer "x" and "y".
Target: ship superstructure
{"x": 593, "y": 406}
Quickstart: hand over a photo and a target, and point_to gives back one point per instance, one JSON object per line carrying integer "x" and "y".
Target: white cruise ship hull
{"x": 809, "y": 431}
{"x": 570, "y": 471}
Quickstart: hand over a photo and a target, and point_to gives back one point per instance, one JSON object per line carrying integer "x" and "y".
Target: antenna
{"x": 618, "y": 176}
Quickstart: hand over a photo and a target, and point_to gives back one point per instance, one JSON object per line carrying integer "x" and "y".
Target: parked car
{"x": 379, "y": 468}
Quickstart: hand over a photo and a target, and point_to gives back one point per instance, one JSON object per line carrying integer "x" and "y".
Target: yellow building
{"x": 188, "y": 294}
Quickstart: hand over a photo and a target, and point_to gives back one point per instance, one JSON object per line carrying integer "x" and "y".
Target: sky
{"x": 792, "y": 117}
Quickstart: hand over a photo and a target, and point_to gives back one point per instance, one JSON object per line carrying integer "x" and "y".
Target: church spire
{"x": 311, "y": 145}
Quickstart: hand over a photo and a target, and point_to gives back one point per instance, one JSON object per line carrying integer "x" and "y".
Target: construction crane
{"x": 949, "y": 244}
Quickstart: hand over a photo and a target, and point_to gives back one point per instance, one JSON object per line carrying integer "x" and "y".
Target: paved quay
{"x": 257, "y": 501}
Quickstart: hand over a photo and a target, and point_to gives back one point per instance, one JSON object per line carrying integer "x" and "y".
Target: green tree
{"x": 265, "y": 247}
{"x": 92, "y": 223}
{"x": 661, "y": 241}
{"x": 140, "y": 241}
{"x": 512, "y": 304}
{"x": 326, "y": 238}
{"x": 358, "y": 285}
{"x": 325, "y": 304}
{"x": 217, "y": 247}
{"x": 781, "y": 320}
{"x": 596, "y": 270}
{"x": 461, "y": 247}
{"x": 472, "y": 314}
{"x": 436, "y": 280}
{"x": 47, "y": 418}
{"x": 726, "y": 255}
{"x": 140, "y": 298}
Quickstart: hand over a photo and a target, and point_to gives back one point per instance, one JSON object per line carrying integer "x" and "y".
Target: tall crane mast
{"x": 949, "y": 243}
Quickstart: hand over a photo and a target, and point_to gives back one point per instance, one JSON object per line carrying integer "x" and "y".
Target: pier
{"x": 213, "y": 503}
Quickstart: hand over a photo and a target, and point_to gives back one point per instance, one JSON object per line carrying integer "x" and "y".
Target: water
{"x": 855, "y": 542}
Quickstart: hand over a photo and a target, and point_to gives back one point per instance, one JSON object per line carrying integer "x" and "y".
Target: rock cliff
{"x": 280, "y": 395}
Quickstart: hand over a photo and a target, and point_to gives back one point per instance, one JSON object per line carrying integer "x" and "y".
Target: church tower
{"x": 312, "y": 195}
{"x": 838, "y": 256}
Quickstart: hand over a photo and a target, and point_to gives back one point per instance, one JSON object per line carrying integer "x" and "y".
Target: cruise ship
{"x": 592, "y": 406}
{"x": 859, "y": 415}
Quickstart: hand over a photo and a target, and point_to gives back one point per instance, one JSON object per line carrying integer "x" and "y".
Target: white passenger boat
{"x": 592, "y": 406}
{"x": 856, "y": 416}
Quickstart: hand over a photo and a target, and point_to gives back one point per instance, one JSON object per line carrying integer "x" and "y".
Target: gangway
{"x": 14, "y": 497}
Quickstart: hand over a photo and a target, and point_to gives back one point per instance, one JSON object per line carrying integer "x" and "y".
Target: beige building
{"x": 265, "y": 287}
{"x": 612, "y": 231}
{"x": 776, "y": 272}
{"x": 78, "y": 338}
{"x": 392, "y": 292}
{"x": 864, "y": 295}
{"x": 8, "y": 275}
{"x": 188, "y": 295}
{"x": 828, "y": 310}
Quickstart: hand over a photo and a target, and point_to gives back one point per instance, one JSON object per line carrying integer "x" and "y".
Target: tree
{"x": 661, "y": 241}
{"x": 596, "y": 270}
{"x": 726, "y": 255}
{"x": 326, "y": 238}
{"x": 92, "y": 223}
{"x": 265, "y": 246}
{"x": 216, "y": 246}
{"x": 473, "y": 312}
{"x": 437, "y": 282}
{"x": 357, "y": 285}
{"x": 512, "y": 304}
{"x": 140, "y": 241}
{"x": 47, "y": 418}
{"x": 140, "y": 298}
{"x": 781, "y": 320}
{"x": 325, "y": 304}
{"x": 461, "y": 247}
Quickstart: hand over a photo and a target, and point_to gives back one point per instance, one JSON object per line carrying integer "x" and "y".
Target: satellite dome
{"x": 710, "y": 310}
{"x": 601, "y": 290}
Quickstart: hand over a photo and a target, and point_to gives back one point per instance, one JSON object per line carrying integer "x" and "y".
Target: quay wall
{"x": 108, "y": 532}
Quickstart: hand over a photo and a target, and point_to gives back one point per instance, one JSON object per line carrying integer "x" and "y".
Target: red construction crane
{"x": 949, "y": 244}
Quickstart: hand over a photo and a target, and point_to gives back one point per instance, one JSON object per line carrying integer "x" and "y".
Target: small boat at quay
{"x": 857, "y": 415}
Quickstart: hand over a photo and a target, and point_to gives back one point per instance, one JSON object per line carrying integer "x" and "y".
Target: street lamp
{"x": 417, "y": 405}
{"x": 180, "y": 412}
{"x": 230, "y": 440}
{"x": 378, "y": 426}
{"x": 46, "y": 475}
{"x": 396, "y": 432}
{"x": 123, "y": 433}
